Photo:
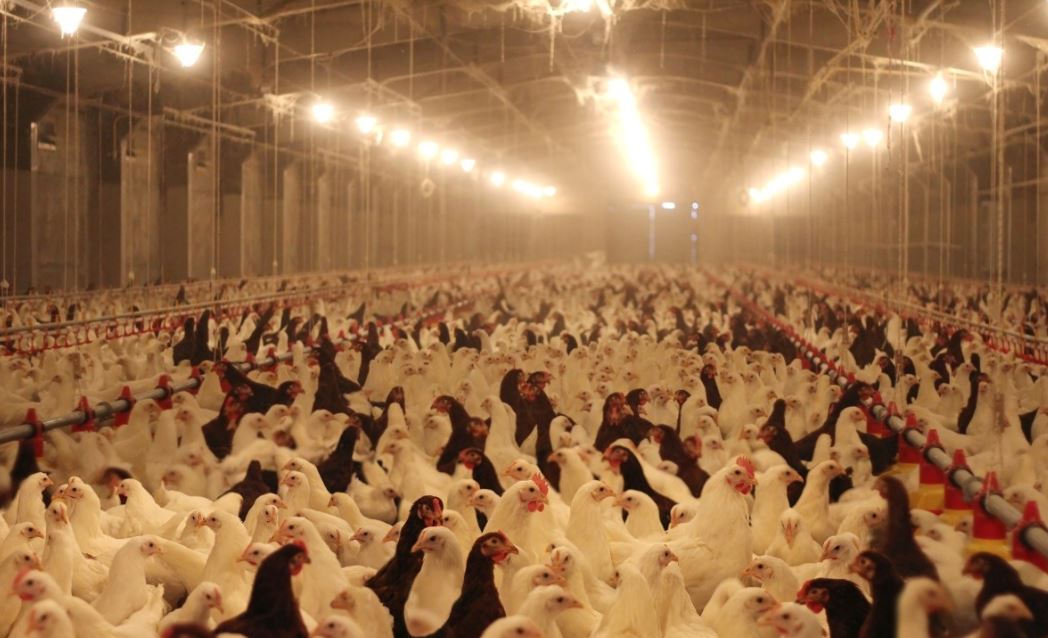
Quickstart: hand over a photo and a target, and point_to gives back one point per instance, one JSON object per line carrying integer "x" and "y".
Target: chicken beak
{"x": 575, "y": 604}
{"x": 826, "y": 554}
{"x": 419, "y": 546}
{"x": 358, "y": 535}
{"x": 390, "y": 536}
{"x": 619, "y": 501}
{"x": 219, "y": 609}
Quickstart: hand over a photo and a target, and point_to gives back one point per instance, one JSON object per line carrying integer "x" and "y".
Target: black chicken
{"x": 998, "y": 577}
{"x": 252, "y": 486}
{"x": 272, "y": 611}
{"x": 478, "y": 605}
{"x": 894, "y": 539}
{"x": 392, "y": 583}
{"x": 845, "y": 604}
{"x": 885, "y": 585}
{"x": 672, "y": 449}
{"x": 338, "y": 468}
{"x": 623, "y": 461}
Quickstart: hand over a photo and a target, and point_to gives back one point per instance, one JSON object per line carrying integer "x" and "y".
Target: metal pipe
{"x": 1033, "y": 536}
{"x": 970, "y": 484}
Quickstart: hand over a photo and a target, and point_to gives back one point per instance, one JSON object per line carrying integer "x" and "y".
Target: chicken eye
{"x": 560, "y": 599}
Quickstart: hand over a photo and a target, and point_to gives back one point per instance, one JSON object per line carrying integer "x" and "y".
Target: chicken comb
{"x": 745, "y": 463}
{"x": 301, "y": 544}
{"x": 804, "y": 589}
{"x": 541, "y": 482}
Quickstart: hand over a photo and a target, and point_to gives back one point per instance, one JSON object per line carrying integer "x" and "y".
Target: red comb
{"x": 541, "y": 482}
{"x": 745, "y": 463}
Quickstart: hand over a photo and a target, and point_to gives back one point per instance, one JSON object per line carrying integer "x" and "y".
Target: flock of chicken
{"x": 612, "y": 452}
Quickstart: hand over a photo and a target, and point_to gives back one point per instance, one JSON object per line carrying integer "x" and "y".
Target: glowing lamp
{"x": 400, "y": 137}
{"x": 68, "y": 19}
{"x": 989, "y": 58}
{"x": 938, "y": 88}
{"x": 188, "y": 53}
{"x": 428, "y": 150}
{"x": 366, "y": 124}
{"x": 323, "y": 112}
{"x": 899, "y": 112}
{"x": 449, "y": 157}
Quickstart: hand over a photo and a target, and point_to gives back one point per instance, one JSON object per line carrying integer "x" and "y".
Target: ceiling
{"x": 728, "y": 89}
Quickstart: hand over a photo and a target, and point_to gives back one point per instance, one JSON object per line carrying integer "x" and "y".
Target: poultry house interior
{"x": 523, "y": 319}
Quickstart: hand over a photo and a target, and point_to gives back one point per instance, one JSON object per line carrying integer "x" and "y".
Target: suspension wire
{"x": 14, "y": 260}
{"x": 149, "y": 184}
{"x": 4, "y": 283}
{"x": 1037, "y": 160}
{"x": 77, "y": 226}
{"x": 65, "y": 167}
{"x": 129, "y": 149}
{"x": 216, "y": 149}
{"x": 276, "y": 179}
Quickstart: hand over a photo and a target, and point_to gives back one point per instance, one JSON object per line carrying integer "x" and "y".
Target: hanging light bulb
{"x": 899, "y": 112}
{"x": 400, "y": 137}
{"x": 366, "y": 124}
{"x": 850, "y": 140}
{"x": 428, "y": 150}
{"x": 68, "y": 18}
{"x": 498, "y": 178}
{"x": 989, "y": 58}
{"x": 468, "y": 164}
{"x": 938, "y": 88}
{"x": 188, "y": 53}
{"x": 549, "y": 191}
{"x": 872, "y": 137}
{"x": 819, "y": 157}
{"x": 323, "y": 112}
{"x": 449, "y": 157}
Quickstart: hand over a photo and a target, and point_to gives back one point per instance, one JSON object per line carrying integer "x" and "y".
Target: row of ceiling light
{"x": 989, "y": 59}
{"x": 428, "y": 150}
{"x": 69, "y": 18}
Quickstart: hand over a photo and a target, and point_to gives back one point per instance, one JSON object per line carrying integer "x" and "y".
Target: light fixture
{"x": 188, "y": 53}
{"x": 669, "y": 206}
{"x": 850, "y": 140}
{"x": 428, "y": 150}
{"x": 899, "y": 112}
{"x": 550, "y": 191}
{"x": 527, "y": 188}
{"x": 938, "y": 88}
{"x": 695, "y": 206}
{"x": 468, "y": 164}
{"x": 400, "y": 137}
{"x": 633, "y": 135}
{"x": 323, "y": 112}
{"x": 872, "y": 137}
{"x": 818, "y": 157}
{"x": 989, "y": 58}
{"x": 68, "y": 18}
{"x": 366, "y": 124}
{"x": 449, "y": 157}
{"x": 498, "y": 178}
{"x": 756, "y": 195}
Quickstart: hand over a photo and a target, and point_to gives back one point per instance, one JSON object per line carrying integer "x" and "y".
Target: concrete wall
{"x": 200, "y": 210}
{"x": 138, "y": 248}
